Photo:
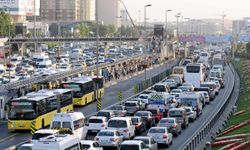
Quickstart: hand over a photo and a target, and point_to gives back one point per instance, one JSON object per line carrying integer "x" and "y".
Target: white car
{"x": 43, "y": 133}
{"x": 161, "y": 135}
{"x": 96, "y": 123}
{"x": 206, "y": 96}
{"x": 189, "y": 85}
{"x": 149, "y": 141}
{"x": 144, "y": 98}
{"x": 176, "y": 93}
{"x": 109, "y": 138}
{"x": 191, "y": 113}
{"x": 133, "y": 145}
{"x": 90, "y": 145}
{"x": 171, "y": 83}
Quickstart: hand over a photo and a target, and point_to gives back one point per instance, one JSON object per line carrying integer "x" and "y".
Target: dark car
{"x": 147, "y": 117}
{"x": 106, "y": 113}
{"x": 140, "y": 126}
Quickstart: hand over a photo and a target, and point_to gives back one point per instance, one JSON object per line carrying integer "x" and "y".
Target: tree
{"x": 83, "y": 29}
{"x": 6, "y": 25}
{"x": 248, "y": 47}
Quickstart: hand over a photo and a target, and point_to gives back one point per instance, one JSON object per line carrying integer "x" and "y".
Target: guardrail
{"x": 61, "y": 75}
{"x": 205, "y": 127}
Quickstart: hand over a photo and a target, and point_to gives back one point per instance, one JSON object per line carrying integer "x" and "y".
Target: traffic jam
{"x": 149, "y": 121}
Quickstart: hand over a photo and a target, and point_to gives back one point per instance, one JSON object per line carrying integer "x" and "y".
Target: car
{"x": 156, "y": 113}
{"x": 140, "y": 126}
{"x": 189, "y": 85}
{"x": 192, "y": 114}
{"x": 180, "y": 114}
{"x": 221, "y": 81}
{"x": 147, "y": 116}
{"x": 119, "y": 110}
{"x": 144, "y": 98}
{"x": 27, "y": 146}
{"x": 171, "y": 83}
{"x": 123, "y": 125}
{"x": 177, "y": 78}
{"x": 206, "y": 96}
{"x": 106, "y": 113}
{"x": 149, "y": 141}
{"x": 43, "y": 133}
{"x": 176, "y": 93}
{"x": 161, "y": 87}
{"x": 141, "y": 103}
{"x": 161, "y": 135}
{"x": 133, "y": 145}
{"x": 90, "y": 145}
{"x": 172, "y": 124}
{"x": 109, "y": 138}
{"x": 96, "y": 123}
{"x": 185, "y": 88}
{"x": 132, "y": 107}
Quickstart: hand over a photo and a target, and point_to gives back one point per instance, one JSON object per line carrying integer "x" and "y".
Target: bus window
{"x": 193, "y": 69}
{"x": 22, "y": 110}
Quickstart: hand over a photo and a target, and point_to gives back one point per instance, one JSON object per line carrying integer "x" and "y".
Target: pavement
{"x": 10, "y": 138}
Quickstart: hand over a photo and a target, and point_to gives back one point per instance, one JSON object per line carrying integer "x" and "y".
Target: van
{"x": 123, "y": 125}
{"x": 74, "y": 121}
{"x": 43, "y": 133}
{"x": 179, "y": 70}
{"x": 192, "y": 99}
{"x": 181, "y": 115}
{"x": 58, "y": 142}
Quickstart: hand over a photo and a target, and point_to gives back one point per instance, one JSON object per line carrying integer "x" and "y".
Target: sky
{"x": 194, "y": 9}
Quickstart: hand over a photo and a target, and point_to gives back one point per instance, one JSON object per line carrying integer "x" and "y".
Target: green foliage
{"x": 28, "y": 35}
{"x": 6, "y": 25}
{"x": 52, "y": 44}
{"x": 83, "y": 30}
{"x": 248, "y": 47}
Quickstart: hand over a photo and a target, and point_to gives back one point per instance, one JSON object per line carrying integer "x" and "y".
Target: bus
{"x": 38, "y": 107}
{"x": 195, "y": 74}
{"x": 83, "y": 89}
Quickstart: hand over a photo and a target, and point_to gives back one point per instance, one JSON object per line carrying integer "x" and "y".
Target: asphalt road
{"x": 8, "y": 138}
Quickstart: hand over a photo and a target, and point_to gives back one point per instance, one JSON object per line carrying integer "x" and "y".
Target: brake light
{"x": 137, "y": 126}
{"x": 96, "y": 139}
{"x": 103, "y": 125}
{"x": 165, "y": 136}
{"x": 175, "y": 125}
{"x": 126, "y": 130}
{"x": 113, "y": 139}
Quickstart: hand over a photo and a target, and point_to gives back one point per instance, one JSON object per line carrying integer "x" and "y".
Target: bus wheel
{"x": 42, "y": 123}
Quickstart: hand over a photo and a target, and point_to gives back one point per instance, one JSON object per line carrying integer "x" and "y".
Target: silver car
{"x": 191, "y": 113}
{"x": 171, "y": 123}
{"x": 119, "y": 110}
{"x": 149, "y": 141}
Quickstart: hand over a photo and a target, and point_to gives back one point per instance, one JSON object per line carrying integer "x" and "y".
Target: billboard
{"x": 158, "y": 30}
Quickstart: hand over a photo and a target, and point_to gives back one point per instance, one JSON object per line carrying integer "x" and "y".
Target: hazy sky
{"x": 195, "y": 9}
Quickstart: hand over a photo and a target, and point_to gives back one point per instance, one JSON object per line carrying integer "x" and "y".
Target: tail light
{"x": 103, "y": 125}
{"x": 113, "y": 139}
{"x": 175, "y": 125}
{"x": 96, "y": 139}
{"x": 137, "y": 125}
{"x": 165, "y": 136}
{"x": 126, "y": 130}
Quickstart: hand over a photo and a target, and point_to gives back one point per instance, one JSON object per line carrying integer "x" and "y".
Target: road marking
{"x": 8, "y": 137}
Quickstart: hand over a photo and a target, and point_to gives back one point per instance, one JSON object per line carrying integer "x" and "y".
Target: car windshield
{"x": 167, "y": 121}
{"x": 175, "y": 114}
{"x": 141, "y": 114}
{"x": 135, "y": 120}
{"x": 105, "y": 133}
{"x": 105, "y": 114}
{"x": 37, "y": 136}
{"x": 129, "y": 147}
{"x": 143, "y": 97}
{"x": 116, "y": 108}
{"x": 95, "y": 120}
{"x": 117, "y": 123}
{"x": 156, "y": 130}
{"x": 130, "y": 104}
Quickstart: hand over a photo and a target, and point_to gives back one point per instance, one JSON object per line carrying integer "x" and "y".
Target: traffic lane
{"x": 125, "y": 86}
{"x": 110, "y": 98}
{"x": 206, "y": 113}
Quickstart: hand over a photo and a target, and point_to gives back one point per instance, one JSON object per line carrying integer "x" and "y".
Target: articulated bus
{"x": 195, "y": 74}
{"x": 83, "y": 89}
{"x": 40, "y": 107}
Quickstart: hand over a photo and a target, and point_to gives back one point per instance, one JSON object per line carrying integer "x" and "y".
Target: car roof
{"x": 108, "y": 130}
{"x": 87, "y": 142}
{"x": 51, "y": 131}
{"x": 97, "y": 117}
{"x": 143, "y": 137}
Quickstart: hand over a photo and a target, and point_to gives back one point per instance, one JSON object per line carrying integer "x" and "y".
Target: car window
{"x": 85, "y": 146}
{"x": 66, "y": 125}
{"x": 129, "y": 147}
{"x": 117, "y": 123}
{"x": 105, "y": 133}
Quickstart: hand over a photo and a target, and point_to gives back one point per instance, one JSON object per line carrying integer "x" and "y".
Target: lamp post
{"x": 166, "y": 26}
{"x": 187, "y": 22}
{"x": 9, "y": 50}
{"x": 97, "y": 50}
{"x": 177, "y": 24}
{"x": 35, "y": 24}
{"x": 120, "y": 17}
{"x": 145, "y": 15}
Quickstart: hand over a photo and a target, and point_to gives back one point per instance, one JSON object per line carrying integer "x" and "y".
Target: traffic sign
{"x": 120, "y": 96}
{"x": 99, "y": 104}
{"x": 32, "y": 128}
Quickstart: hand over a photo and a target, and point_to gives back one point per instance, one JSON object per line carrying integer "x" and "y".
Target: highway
{"x": 8, "y": 138}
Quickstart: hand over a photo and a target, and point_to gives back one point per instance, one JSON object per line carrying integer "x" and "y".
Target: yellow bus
{"x": 83, "y": 89}
{"x": 38, "y": 107}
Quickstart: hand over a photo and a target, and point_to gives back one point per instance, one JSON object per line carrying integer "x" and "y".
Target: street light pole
{"x": 177, "y": 24}
{"x": 120, "y": 17}
{"x": 35, "y": 24}
{"x": 145, "y": 15}
{"x": 97, "y": 50}
{"x": 169, "y": 10}
{"x": 9, "y": 50}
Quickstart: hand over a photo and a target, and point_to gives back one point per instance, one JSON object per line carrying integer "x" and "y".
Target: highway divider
{"x": 206, "y": 126}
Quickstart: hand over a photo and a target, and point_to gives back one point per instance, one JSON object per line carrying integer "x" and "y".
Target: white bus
{"x": 195, "y": 74}
{"x": 58, "y": 142}
{"x": 75, "y": 121}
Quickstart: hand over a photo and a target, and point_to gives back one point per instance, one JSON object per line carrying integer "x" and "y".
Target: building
{"x": 60, "y": 10}
{"x": 109, "y": 12}
{"x": 87, "y": 10}
{"x": 241, "y": 27}
{"x": 125, "y": 19}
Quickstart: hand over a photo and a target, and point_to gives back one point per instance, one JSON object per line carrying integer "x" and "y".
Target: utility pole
{"x": 35, "y": 25}
{"x": 97, "y": 54}
{"x": 166, "y": 26}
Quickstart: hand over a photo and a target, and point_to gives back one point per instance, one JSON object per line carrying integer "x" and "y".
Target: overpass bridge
{"x": 70, "y": 39}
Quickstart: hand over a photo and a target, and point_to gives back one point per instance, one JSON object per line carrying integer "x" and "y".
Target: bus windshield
{"x": 193, "y": 69}
{"x": 77, "y": 90}
{"x": 22, "y": 110}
